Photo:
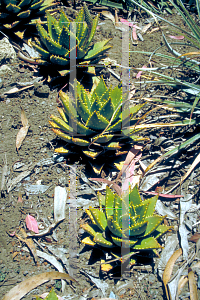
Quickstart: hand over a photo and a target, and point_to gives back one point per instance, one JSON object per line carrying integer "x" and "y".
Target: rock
{"x": 7, "y": 52}
{"x": 41, "y": 90}
{"x": 5, "y": 69}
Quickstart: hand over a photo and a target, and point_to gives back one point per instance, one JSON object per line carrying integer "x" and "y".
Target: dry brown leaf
{"x": 145, "y": 28}
{"x": 195, "y": 237}
{"x": 24, "y": 118}
{"x": 192, "y": 285}
{"x": 193, "y": 165}
{"x": 108, "y": 15}
{"x": 31, "y": 283}
{"x": 169, "y": 268}
{"x": 29, "y": 242}
{"x": 21, "y": 136}
{"x": 183, "y": 280}
{"x": 23, "y": 130}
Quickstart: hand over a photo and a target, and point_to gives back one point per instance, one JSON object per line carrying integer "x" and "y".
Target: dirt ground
{"x": 34, "y": 193}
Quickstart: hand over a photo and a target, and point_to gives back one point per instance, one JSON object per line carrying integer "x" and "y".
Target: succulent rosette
{"x": 124, "y": 221}
{"x": 98, "y": 118}
{"x": 54, "y": 43}
{"x": 16, "y": 12}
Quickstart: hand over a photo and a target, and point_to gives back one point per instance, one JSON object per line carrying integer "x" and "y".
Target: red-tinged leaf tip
{"x": 13, "y": 233}
{"x": 31, "y": 223}
{"x": 180, "y": 37}
{"x": 140, "y": 73}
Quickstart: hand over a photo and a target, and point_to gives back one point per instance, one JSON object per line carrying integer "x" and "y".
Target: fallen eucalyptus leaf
{"x": 164, "y": 210}
{"x": 169, "y": 268}
{"x": 60, "y": 197}
{"x": 52, "y": 260}
{"x": 20, "y": 290}
{"x": 185, "y": 204}
{"x": 170, "y": 246}
{"x": 192, "y": 285}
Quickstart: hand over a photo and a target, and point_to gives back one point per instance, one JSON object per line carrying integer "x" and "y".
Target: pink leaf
{"x": 140, "y": 73}
{"x": 164, "y": 195}
{"x": 180, "y": 37}
{"x": 115, "y": 186}
{"x": 13, "y": 233}
{"x": 125, "y": 22}
{"x": 31, "y": 223}
{"x": 134, "y": 35}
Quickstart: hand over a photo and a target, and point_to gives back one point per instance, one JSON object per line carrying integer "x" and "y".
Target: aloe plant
{"x": 97, "y": 116}
{"x": 54, "y": 43}
{"x": 117, "y": 222}
{"x": 100, "y": 124}
{"x": 16, "y": 12}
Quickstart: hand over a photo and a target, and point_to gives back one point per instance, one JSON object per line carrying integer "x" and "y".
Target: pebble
{"x": 25, "y": 273}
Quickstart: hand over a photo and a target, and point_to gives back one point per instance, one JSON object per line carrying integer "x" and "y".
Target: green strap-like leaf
{"x": 69, "y": 108}
{"x": 147, "y": 243}
{"x": 88, "y": 17}
{"x": 80, "y": 142}
{"x": 55, "y": 48}
{"x": 97, "y": 121}
{"x": 24, "y": 14}
{"x": 58, "y": 60}
{"x": 152, "y": 205}
{"x": 137, "y": 229}
{"x": 99, "y": 218}
{"x": 64, "y": 21}
{"x": 141, "y": 210}
{"x": 13, "y": 8}
{"x": 93, "y": 30}
{"x": 79, "y": 23}
{"x": 62, "y": 135}
{"x": 109, "y": 201}
{"x": 153, "y": 223}
{"x": 100, "y": 240}
{"x": 62, "y": 124}
{"x": 94, "y": 102}
{"x": 113, "y": 146}
{"x": 42, "y": 32}
{"x": 82, "y": 109}
{"x": 44, "y": 53}
{"x": 114, "y": 227}
{"x": 101, "y": 88}
{"x": 160, "y": 230}
{"x": 37, "y": 5}
{"x": 104, "y": 138}
{"x": 62, "y": 114}
{"x": 55, "y": 32}
{"x": 82, "y": 129}
{"x": 92, "y": 229}
{"x": 107, "y": 109}
{"x": 135, "y": 198}
{"x": 64, "y": 37}
{"x": 93, "y": 53}
{"x": 82, "y": 35}
{"x": 116, "y": 96}
{"x": 126, "y": 243}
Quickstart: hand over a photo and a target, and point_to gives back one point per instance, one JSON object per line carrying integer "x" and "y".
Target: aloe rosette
{"x": 97, "y": 116}
{"x": 118, "y": 222}
{"x": 54, "y": 43}
{"x": 16, "y": 12}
